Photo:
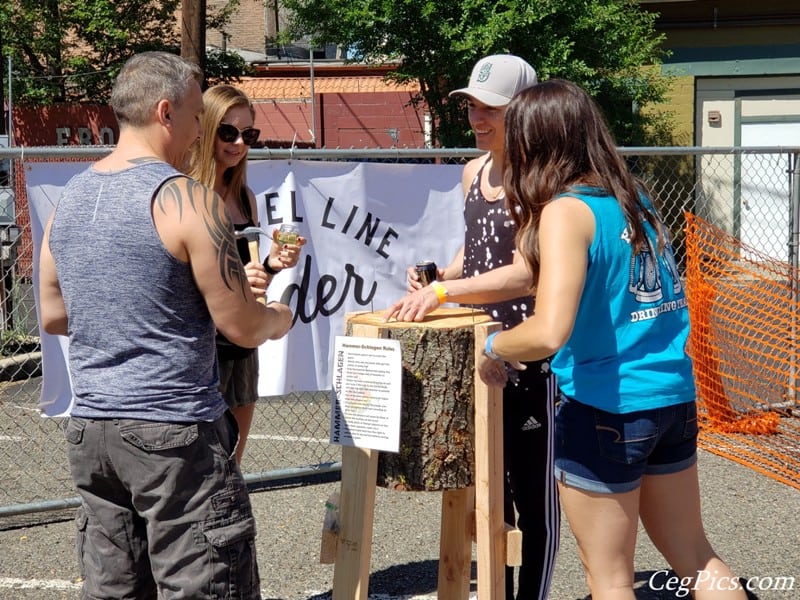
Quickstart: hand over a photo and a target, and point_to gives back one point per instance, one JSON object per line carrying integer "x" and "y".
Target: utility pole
{"x": 2, "y": 91}
{"x": 193, "y": 32}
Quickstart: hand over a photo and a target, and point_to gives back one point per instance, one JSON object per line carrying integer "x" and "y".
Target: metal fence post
{"x": 794, "y": 255}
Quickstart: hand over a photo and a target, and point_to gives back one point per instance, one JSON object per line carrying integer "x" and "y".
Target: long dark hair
{"x": 556, "y": 137}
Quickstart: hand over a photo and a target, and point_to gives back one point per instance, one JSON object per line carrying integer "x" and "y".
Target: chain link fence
{"x": 750, "y": 193}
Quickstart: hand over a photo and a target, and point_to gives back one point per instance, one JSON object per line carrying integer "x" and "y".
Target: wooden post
{"x": 356, "y": 513}
{"x": 455, "y": 543}
{"x": 489, "y": 519}
{"x": 193, "y": 32}
{"x": 356, "y": 518}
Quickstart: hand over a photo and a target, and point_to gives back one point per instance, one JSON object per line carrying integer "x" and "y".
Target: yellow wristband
{"x": 440, "y": 291}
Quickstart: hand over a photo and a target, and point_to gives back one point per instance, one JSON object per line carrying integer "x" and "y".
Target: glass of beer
{"x": 288, "y": 234}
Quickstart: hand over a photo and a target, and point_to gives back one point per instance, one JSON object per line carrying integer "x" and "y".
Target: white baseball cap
{"x": 496, "y": 79}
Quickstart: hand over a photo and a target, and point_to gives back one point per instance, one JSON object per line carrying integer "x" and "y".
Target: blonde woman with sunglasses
{"x": 220, "y": 162}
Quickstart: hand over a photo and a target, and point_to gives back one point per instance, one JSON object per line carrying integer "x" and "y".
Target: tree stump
{"x": 437, "y": 426}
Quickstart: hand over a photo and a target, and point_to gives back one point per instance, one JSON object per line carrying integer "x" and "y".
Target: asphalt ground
{"x": 752, "y": 521}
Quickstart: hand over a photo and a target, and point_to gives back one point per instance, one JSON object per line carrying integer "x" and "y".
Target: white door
{"x": 765, "y": 198}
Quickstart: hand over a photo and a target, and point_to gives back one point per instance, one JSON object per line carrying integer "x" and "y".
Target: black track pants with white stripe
{"x": 528, "y": 412}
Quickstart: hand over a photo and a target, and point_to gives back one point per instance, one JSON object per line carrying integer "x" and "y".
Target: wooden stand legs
{"x": 356, "y": 517}
{"x": 465, "y": 511}
{"x": 489, "y": 519}
{"x": 463, "y": 518}
{"x": 455, "y": 543}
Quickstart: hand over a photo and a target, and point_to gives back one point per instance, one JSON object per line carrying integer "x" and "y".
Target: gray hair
{"x": 146, "y": 79}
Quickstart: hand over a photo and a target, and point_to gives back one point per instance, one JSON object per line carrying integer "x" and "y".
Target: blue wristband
{"x": 487, "y": 350}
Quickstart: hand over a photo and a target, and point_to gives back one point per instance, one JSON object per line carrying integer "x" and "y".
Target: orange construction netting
{"x": 745, "y": 321}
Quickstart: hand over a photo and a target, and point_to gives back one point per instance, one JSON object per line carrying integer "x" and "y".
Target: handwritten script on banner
{"x": 365, "y": 222}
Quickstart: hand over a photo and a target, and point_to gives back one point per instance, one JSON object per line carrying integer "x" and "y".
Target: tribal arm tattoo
{"x": 194, "y": 196}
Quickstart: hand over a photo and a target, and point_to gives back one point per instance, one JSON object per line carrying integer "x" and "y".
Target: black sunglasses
{"x": 228, "y": 133}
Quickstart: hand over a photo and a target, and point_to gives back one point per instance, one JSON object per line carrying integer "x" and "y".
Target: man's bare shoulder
{"x": 183, "y": 192}
{"x": 185, "y": 212}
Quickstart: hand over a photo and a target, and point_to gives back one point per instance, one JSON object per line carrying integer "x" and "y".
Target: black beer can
{"x": 426, "y": 271}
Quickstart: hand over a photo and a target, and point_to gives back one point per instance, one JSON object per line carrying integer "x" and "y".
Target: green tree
{"x": 599, "y": 44}
{"x": 71, "y": 50}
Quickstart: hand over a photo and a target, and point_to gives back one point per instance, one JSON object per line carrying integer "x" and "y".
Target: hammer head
{"x": 251, "y": 233}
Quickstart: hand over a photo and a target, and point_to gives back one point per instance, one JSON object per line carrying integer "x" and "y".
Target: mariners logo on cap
{"x": 483, "y": 74}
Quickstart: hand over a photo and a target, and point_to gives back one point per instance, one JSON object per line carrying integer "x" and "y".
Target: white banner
{"x": 365, "y": 222}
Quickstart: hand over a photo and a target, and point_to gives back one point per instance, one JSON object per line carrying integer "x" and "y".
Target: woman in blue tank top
{"x": 611, "y": 306}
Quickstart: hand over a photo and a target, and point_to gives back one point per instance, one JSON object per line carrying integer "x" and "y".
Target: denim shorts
{"x": 608, "y": 453}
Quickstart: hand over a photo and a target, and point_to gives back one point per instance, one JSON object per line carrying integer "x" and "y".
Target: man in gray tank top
{"x": 138, "y": 268}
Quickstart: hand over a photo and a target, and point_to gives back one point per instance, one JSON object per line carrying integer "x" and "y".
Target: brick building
{"x": 315, "y": 101}
{"x": 349, "y": 107}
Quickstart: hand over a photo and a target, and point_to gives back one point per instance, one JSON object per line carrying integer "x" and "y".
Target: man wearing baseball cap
{"x": 487, "y": 274}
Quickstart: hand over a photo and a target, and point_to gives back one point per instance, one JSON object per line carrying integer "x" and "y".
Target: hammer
{"x": 251, "y": 235}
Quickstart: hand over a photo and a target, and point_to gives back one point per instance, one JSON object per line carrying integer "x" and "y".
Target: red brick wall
{"x": 355, "y": 120}
{"x": 343, "y": 120}
{"x": 371, "y": 121}
{"x": 65, "y": 124}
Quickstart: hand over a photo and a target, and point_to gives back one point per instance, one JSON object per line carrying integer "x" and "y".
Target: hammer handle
{"x": 252, "y": 246}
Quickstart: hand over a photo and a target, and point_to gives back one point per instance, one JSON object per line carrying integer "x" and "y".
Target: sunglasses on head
{"x": 228, "y": 133}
